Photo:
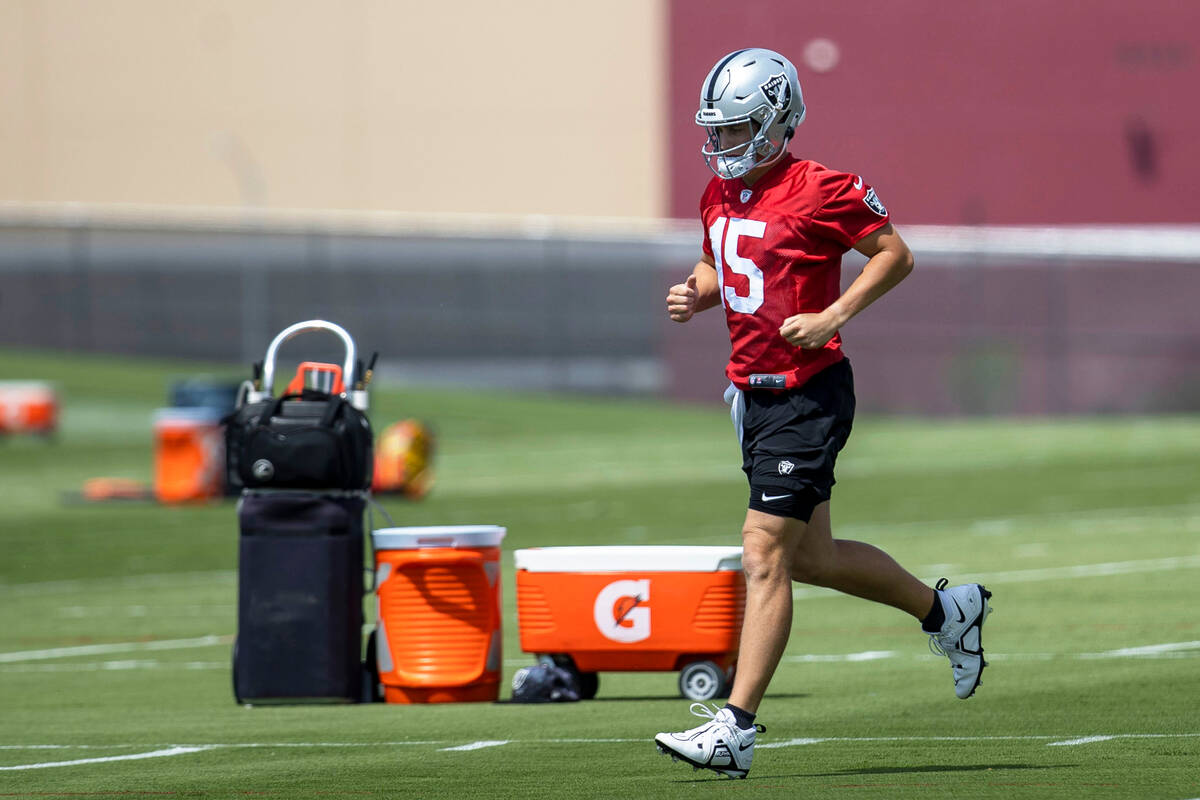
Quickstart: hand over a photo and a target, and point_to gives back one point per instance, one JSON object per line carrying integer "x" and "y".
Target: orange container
{"x": 28, "y": 407}
{"x": 189, "y": 455}
{"x": 317, "y": 375}
{"x": 438, "y": 591}
{"x": 651, "y": 609}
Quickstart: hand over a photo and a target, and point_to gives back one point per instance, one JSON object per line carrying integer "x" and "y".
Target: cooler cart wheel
{"x": 702, "y": 680}
{"x": 370, "y": 671}
{"x": 237, "y": 697}
{"x": 588, "y": 682}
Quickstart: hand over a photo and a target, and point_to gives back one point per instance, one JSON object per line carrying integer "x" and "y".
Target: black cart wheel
{"x": 588, "y": 682}
{"x": 237, "y": 696}
{"x": 370, "y": 672}
{"x": 702, "y": 680}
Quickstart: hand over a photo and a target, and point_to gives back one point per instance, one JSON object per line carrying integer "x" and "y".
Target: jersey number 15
{"x": 724, "y": 234}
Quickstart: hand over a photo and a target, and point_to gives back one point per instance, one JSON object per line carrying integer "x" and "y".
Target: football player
{"x": 775, "y": 228}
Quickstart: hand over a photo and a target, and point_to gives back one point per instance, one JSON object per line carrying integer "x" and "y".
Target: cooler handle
{"x": 464, "y": 557}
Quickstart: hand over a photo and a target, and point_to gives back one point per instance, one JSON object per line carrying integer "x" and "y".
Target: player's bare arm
{"x": 698, "y": 293}
{"x": 888, "y": 262}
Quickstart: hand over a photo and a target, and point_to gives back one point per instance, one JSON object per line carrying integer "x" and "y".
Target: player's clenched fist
{"x": 681, "y": 300}
{"x": 808, "y": 331}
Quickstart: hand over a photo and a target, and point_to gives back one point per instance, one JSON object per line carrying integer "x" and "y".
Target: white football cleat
{"x": 961, "y": 636}
{"x": 719, "y": 744}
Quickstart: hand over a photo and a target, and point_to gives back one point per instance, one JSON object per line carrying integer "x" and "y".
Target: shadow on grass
{"x": 672, "y": 698}
{"x": 928, "y": 768}
{"x": 709, "y": 777}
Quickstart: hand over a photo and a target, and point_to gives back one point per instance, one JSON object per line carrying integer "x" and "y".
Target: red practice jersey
{"x": 778, "y": 249}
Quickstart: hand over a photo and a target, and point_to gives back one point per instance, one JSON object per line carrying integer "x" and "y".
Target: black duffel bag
{"x": 311, "y": 440}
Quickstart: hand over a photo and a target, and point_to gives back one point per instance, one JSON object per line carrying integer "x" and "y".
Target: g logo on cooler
{"x": 621, "y": 613}
{"x": 263, "y": 469}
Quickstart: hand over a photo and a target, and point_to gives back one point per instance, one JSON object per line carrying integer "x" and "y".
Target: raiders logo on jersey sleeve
{"x": 873, "y": 203}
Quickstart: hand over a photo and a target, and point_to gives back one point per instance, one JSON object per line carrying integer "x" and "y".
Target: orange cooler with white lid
{"x": 634, "y": 608}
{"x": 439, "y": 632}
{"x": 28, "y": 407}
{"x": 189, "y": 454}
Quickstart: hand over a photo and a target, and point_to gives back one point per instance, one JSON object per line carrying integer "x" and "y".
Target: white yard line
{"x": 114, "y": 666}
{"x": 180, "y": 749}
{"x": 476, "y": 745}
{"x": 1166, "y": 650}
{"x": 790, "y": 743}
{"x": 113, "y": 647}
{"x": 1083, "y": 740}
{"x": 1058, "y": 739}
{"x": 1150, "y": 650}
{"x": 170, "y": 751}
{"x": 215, "y": 745}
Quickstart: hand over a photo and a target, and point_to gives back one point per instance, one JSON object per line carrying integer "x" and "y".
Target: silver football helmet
{"x": 754, "y": 87}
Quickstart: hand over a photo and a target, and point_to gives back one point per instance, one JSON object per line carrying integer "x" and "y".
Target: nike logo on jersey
{"x": 770, "y": 498}
{"x": 858, "y": 181}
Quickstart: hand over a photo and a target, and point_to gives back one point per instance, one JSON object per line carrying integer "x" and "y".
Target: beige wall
{"x": 531, "y": 106}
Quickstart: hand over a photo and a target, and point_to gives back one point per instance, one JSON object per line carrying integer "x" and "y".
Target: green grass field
{"x": 118, "y": 617}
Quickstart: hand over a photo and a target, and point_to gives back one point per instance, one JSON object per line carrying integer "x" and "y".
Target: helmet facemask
{"x": 736, "y": 160}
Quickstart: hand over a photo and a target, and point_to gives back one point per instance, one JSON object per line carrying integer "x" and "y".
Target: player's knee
{"x": 763, "y": 555}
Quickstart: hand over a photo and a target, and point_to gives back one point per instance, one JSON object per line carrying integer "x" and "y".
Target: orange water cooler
{"x": 28, "y": 407}
{"x": 438, "y": 637}
{"x": 189, "y": 454}
{"x": 640, "y": 609}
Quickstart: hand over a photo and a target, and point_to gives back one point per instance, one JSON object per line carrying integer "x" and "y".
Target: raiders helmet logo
{"x": 777, "y": 91}
{"x": 873, "y": 203}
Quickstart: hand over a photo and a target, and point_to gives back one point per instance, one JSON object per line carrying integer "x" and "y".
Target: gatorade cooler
{"x": 28, "y": 407}
{"x": 438, "y": 590}
{"x": 189, "y": 455}
{"x": 642, "y": 609}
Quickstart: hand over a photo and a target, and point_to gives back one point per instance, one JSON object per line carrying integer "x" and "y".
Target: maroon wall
{"x": 959, "y": 113}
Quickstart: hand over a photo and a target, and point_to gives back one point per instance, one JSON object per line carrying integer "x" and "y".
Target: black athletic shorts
{"x": 790, "y": 441}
